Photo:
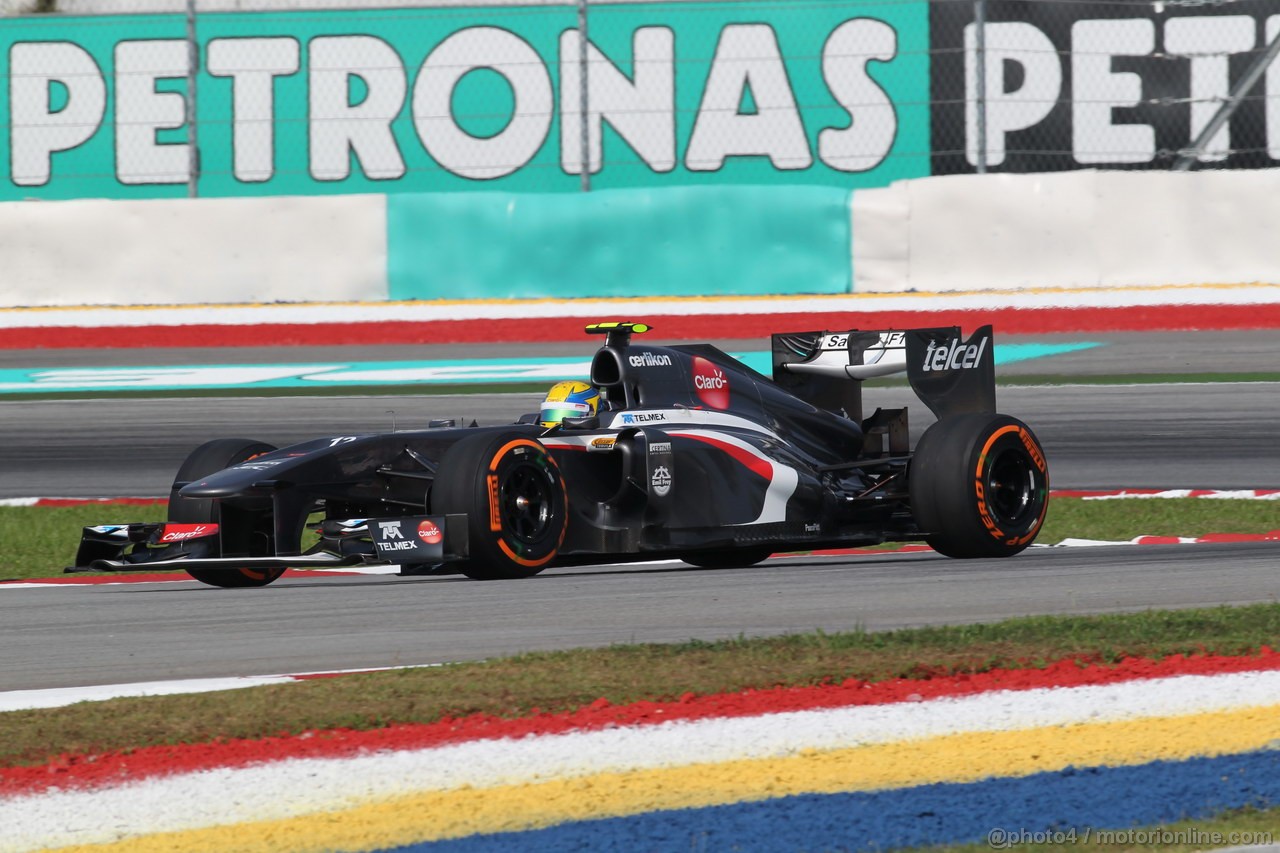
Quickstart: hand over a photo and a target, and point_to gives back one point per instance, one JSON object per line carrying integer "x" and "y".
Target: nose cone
{"x": 228, "y": 483}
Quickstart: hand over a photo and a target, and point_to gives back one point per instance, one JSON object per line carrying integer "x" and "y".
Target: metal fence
{"x": 113, "y": 97}
{"x": 1064, "y": 84}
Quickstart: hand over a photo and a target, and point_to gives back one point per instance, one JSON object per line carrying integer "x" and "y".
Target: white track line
{"x": 57, "y": 697}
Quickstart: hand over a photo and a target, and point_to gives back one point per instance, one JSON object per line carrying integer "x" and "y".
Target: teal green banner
{"x": 467, "y": 98}
{"x": 676, "y": 241}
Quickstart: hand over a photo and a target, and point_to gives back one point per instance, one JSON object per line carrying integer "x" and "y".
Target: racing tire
{"x": 514, "y": 498}
{"x": 979, "y": 486}
{"x": 209, "y": 458}
{"x": 737, "y": 558}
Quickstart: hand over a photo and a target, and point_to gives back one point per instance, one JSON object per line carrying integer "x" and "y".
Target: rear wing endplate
{"x": 950, "y": 375}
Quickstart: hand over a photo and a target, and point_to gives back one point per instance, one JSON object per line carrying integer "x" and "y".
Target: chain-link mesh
{"x": 321, "y": 96}
{"x": 798, "y": 92}
{"x": 1119, "y": 84}
{"x": 89, "y": 114}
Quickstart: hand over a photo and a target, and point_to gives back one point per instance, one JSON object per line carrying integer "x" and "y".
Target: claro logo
{"x": 953, "y": 354}
{"x": 710, "y": 383}
{"x": 183, "y": 532}
{"x": 429, "y": 532}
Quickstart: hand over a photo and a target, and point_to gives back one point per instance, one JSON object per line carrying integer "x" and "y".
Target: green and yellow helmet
{"x": 569, "y": 399}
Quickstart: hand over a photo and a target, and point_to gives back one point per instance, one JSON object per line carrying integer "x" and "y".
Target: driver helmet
{"x": 569, "y": 399}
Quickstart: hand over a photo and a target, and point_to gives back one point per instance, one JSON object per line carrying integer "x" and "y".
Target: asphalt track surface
{"x": 79, "y": 636}
{"x": 1194, "y": 435}
{"x": 1212, "y": 435}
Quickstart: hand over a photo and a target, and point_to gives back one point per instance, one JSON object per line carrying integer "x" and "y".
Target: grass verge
{"x": 1122, "y": 520}
{"x": 566, "y": 680}
{"x": 41, "y": 541}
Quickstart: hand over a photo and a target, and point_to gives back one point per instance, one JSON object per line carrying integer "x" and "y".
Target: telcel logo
{"x": 710, "y": 383}
{"x": 952, "y": 355}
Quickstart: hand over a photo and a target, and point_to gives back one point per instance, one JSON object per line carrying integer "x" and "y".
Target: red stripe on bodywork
{"x": 758, "y": 466}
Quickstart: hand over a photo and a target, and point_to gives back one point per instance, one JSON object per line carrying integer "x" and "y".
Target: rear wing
{"x": 949, "y": 374}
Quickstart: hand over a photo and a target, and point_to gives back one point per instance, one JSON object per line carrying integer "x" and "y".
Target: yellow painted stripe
{"x": 968, "y": 757}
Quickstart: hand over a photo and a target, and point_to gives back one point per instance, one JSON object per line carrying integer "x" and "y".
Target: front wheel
{"x": 254, "y": 535}
{"x": 979, "y": 486}
{"x": 514, "y": 499}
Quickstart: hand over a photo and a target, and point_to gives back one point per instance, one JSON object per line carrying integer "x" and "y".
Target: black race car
{"x": 692, "y": 455}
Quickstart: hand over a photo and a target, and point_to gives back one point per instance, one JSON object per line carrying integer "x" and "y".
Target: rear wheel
{"x": 736, "y": 558}
{"x": 979, "y": 486}
{"x": 252, "y": 533}
{"x": 514, "y": 499}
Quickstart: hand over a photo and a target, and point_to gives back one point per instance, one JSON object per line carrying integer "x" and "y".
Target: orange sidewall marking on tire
{"x": 495, "y": 523}
{"x": 502, "y": 451}
{"x": 506, "y": 549}
{"x": 1037, "y": 457}
{"x": 983, "y": 512}
{"x": 495, "y": 520}
{"x": 254, "y": 574}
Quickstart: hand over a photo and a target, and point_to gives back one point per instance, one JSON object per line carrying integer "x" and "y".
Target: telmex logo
{"x": 953, "y": 354}
{"x": 643, "y": 417}
{"x": 648, "y": 359}
{"x": 710, "y": 383}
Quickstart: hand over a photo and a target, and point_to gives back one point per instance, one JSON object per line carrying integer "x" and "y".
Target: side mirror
{"x": 592, "y": 422}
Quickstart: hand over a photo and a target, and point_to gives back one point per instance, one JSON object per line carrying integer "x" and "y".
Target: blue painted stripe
{"x": 1096, "y": 798}
{"x": 336, "y": 374}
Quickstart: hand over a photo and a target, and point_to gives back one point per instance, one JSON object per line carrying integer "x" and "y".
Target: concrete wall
{"x": 674, "y": 241}
{"x": 680, "y": 241}
{"x": 168, "y": 252}
{"x": 1067, "y": 229}
{"x": 955, "y": 233}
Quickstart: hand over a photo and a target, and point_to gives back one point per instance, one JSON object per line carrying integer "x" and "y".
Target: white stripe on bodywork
{"x": 782, "y": 482}
{"x": 691, "y": 417}
{"x": 581, "y": 442}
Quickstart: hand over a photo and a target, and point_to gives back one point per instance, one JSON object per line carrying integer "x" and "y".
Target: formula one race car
{"x": 692, "y": 454}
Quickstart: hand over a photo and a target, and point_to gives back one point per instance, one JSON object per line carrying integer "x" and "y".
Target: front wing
{"x": 362, "y": 541}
